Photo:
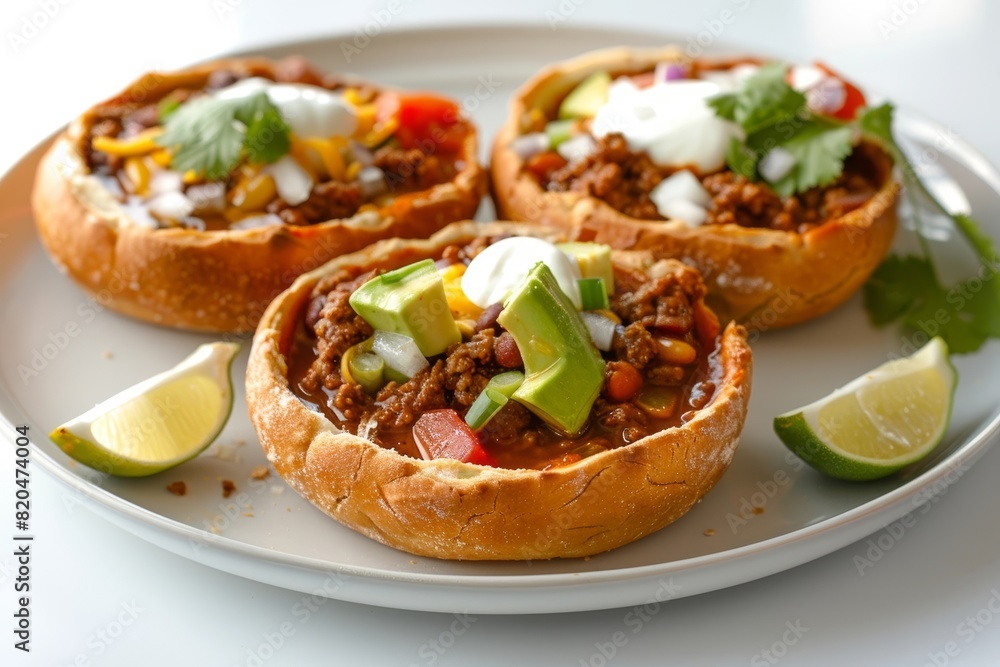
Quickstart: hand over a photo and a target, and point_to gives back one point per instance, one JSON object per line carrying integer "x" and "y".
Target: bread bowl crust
{"x": 218, "y": 281}
{"x": 762, "y": 278}
{"x": 447, "y": 509}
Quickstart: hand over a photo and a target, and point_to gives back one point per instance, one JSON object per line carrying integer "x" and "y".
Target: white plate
{"x": 80, "y": 354}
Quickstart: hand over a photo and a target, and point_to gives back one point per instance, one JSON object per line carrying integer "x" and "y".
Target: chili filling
{"x": 404, "y": 143}
{"x": 624, "y": 178}
{"x": 658, "y": 371}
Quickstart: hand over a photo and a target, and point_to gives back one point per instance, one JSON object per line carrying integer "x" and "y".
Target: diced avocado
{"x": 587, "y": 98}
{"x": 559, "y": 131}
{"x": 594, "y": 260}
{"x": 409, "y": 301}
{"x": 563, "y": 370}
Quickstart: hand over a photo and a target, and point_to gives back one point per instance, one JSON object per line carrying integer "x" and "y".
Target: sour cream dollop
{"x": 502, "y": 267}
{"x": 669, "y": 120}
{"x": 310, "y": 111}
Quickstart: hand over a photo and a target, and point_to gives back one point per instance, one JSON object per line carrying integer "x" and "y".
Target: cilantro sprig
{"x": 907, "y": 289}
{"x": 210, "y": 136}
{"x": 774, "y": 115}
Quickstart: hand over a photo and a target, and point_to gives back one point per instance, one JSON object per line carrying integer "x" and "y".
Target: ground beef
{"x": 635, "y": 345}
{"x": 141, "y": 119}
{"x": 98, "y": 161}
{"x": 614, "y": 416}
{"x": 410, "y": 170}
{"x": 399, "y": 405}
{"x": 329, "y": 200}
{"x": 336, "y": 328}
{"x": 614, "y": 174}
{"x": 469, "y": 367}
{"x": 508, "y": 425}
{"x": 296, "y": 69}
{"x": 736, "y": 200}
{"x": 351, "y": 401}
{"x": 661, "y": 303}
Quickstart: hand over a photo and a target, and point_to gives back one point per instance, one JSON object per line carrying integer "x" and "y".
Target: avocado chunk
{"x": 409, "y": 301}
{"x": 563, "y": 371}
{"x": 594, "y": 260}
{"x": 587, "y": 98}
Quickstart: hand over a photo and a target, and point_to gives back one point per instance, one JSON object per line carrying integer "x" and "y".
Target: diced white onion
{"x": 399, "y": 352}
{"x": 529, "y": 145}
{"x": 577, "y": 147}
{"x": 172, "y": 205}
{"x": 208, "y": 197}
{"x": 601, "y": 328}
{"x": 776, "y": 164}
{"x": 681, "y": 185}
{"x": 166, "y": 180}
{"x": 292, "y": 181}
{"x": 681, "y": 209}
{"x": 372, "y": 182}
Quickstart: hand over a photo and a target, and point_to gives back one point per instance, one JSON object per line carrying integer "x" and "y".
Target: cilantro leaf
{"x": 895, "y": 286}
{"x": 724, "y": 105}
{"x": 203, "y": 137}
{"x": 742, "y": 159}
{"x": 876, "y": 123}
{"x": 819, "y": 149}
{"x": 907, "y": 289}
{"x": 267, "y": 137}
{"x": 765, "y": 99}
{"x": 208, "y": 135}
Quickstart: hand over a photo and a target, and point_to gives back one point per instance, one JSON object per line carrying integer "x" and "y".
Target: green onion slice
{"x": 593, "y": 294}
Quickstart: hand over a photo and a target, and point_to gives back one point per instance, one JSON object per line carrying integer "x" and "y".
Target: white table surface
{"x": 101, "y": 596}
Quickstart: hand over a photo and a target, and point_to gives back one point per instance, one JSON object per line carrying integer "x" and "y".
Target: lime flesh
{"x": 878, "y": 423}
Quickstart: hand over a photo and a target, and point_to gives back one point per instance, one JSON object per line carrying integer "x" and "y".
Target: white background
{"x": 91, "y": 578}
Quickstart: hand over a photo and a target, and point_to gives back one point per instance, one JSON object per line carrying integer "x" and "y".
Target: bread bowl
{"x": 107, "y": 191}
{"x": 536, "y": 493}
{"x": 794, "y": 265}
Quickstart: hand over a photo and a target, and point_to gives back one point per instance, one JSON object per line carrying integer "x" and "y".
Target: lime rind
{"x": 802, "y": 430}
{"x": 78, "y": 439}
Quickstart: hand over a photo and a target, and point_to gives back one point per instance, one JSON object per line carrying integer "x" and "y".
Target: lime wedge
{"x": 878, "y": 423}
{"x": 158, "y": 423}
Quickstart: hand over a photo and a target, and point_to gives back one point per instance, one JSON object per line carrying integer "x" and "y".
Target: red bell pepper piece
{"x": 428, "y": 120}
{"x": 442, "y": 434}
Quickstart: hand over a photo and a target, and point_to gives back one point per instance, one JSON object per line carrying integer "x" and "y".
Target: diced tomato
{"x": 442, "y": 434}
{"x": 543, "y": 164}
{"x": 854, "y": 99}
{"x": 424, "y": 117}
